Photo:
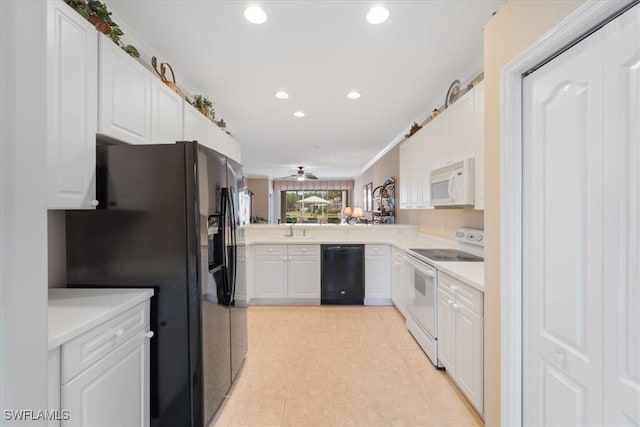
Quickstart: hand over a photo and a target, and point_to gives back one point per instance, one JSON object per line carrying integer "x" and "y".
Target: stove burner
{"x": 448, "y": 255}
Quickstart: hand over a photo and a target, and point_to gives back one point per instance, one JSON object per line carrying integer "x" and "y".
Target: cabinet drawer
{"x": 464, "y": 294}
{"x": 376, "y": 250}
{"x": 311, "y": 250}
{"x": 85, "y": 350}
{"x": 271, "y": 250}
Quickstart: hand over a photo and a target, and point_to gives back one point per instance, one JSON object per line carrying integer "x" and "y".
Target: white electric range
{"x": 421, "y": 298}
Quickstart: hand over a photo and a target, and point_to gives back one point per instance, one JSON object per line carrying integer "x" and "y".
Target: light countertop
{"x": 401, "y": 237}
{"x": 75, "y": 311}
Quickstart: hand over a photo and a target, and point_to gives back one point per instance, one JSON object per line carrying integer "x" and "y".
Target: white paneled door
{"x": 621, "y": 249}
{"x": 580, "y": 232}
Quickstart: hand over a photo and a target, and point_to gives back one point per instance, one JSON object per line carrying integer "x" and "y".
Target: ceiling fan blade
{"x": 301, "y": 174}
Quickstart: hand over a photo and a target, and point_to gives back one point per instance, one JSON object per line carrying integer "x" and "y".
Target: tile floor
{"x": 339, "y": 366}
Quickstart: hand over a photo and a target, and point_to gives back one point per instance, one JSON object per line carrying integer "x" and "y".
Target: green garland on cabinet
{"x": 99, "y": 15}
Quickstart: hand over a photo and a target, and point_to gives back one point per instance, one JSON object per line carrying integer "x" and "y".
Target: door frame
{"x": 588, "y": 16}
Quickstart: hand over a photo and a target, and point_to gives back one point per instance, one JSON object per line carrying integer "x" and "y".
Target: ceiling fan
{"x": 301, "y": 175}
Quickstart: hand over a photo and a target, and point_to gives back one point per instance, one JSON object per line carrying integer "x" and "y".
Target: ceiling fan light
{"x": 255, "y": 15}
{"x": 300, "y": 178}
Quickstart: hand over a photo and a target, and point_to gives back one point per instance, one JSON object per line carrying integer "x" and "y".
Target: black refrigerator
{"x": 169, "y": 219}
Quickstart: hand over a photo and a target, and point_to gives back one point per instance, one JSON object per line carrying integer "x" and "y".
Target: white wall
{"x": 23, "y": 213}
{"x": 514, "y": 28}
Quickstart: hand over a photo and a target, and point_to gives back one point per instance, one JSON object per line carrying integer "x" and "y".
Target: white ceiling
{"x": 317, "y": 51}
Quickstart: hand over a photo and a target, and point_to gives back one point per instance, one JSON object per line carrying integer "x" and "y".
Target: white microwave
{"x": 453, "y": 184}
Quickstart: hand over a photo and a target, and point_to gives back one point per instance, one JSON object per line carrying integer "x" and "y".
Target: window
{"x": 316, "y": 206}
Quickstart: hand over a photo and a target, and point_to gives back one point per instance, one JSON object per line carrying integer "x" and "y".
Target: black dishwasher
{"x": 342, "y": 274}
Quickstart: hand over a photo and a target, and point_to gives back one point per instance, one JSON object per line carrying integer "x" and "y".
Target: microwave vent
{"x": 452, "y": 167}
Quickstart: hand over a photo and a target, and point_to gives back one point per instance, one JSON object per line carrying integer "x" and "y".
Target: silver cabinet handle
{"x": 455, "y": 306}
{"x": 149, "y": 334}
{"x": 94, "y": 203}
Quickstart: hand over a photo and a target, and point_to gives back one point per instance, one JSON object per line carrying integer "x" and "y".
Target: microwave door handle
{"x": 451, "y": 178}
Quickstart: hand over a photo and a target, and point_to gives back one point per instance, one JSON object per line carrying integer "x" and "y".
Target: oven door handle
{"x": 429, "y": 273}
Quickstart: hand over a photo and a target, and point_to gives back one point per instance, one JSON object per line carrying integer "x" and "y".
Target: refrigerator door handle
{"x": 223, "y": 226}
{"x": 235, "y": 249}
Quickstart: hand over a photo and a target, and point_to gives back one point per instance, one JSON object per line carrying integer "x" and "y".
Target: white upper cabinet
{"x": 196, "y": 126}
{"x": 125, "y": 95}
{"x": 460, "y": 129}
{"x": 456, "y": 134}
{"x": 403, "y": 185}
{"x": 135, "y": 106}
{"x": 166, "y": 114}
{"x": 199, "y": 128}
{"x": 72, "y": 62}
{"x": 478, "y": 144}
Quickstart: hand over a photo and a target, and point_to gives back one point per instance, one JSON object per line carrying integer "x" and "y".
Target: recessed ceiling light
{"x": 354, "y": 95}
{"x": 282, "y": 95}
{"x": 299, "y": 114}
{"x": 377, "y": 15}
{"x": 255, "y": 15}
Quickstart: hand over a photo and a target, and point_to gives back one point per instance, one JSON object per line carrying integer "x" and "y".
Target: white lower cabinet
{"x": 446, "y": 331}
{"x": 303, "y": 276}
{"x": 401, "y": 280}
{"x": 377, "y": 273}
{"x": 460, "y": 337}
{"x": 287, "y": 274}
{"x": 114, "y": 391}
{"x": 271, "y": 272}
{"x": 101, "y": 377}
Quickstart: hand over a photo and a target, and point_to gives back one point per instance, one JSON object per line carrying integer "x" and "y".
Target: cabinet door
{"x": 446, "y": 331}
{"x": 166, "y": 114}
{"x": 416, "y": 155}
{"x": 72, "y": 79}
{"x": 112, "y": 392}
{"x": 125, "y": 95}
{"x": 395, "y": 278}
{"x": 377, "y": 277}
{"x": 477, "y": 144}
{"x": 461, "y": 128}
{"x": 405, "y": 166}
{"x": 304, "y": 276}
{"x": 469, "y": 358}
{"x": 194, "y": 125}
{"x": 271, "y": 276}
{"x": 424, "y": 162}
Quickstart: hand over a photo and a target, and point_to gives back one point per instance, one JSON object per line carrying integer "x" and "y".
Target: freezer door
{"x": 237, "y": 276}
{"x": 144, "y": 235}
{"x": 215, "y": 237}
